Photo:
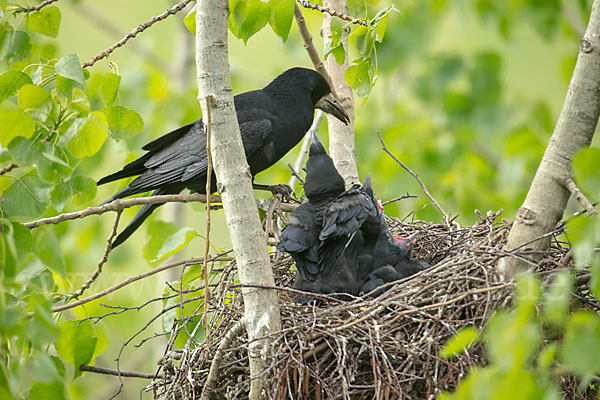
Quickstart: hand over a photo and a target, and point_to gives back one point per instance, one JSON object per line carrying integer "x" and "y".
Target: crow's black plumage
{"x": 391, "y": 261}
{"x": 324, "y": 235}
{"x": 271, "y": 120}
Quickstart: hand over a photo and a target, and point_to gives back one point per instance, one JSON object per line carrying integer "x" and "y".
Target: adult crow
{"x": 323, "y": 235}
{"x": 271, "y": 120}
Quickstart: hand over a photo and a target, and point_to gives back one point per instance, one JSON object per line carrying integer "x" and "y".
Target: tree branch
{"x": 310, "y": 47}
{"x": 8, "y": 168}
{"x": 133, "y": 279}
{"x": 173, "y": 10}
{"x": 107, "y": 250}
{"x": 127, "y": 374}
{"x": 352, "y": 20}
{"x": 439, "y": 207}
{"x": 38, "y": 7}
{"x": 121, "y": 204}
{"x": 213, "y": 373}
{"x": 579, "y": 196}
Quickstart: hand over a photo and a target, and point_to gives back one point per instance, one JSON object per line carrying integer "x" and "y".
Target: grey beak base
{"x": 331, "y": 105}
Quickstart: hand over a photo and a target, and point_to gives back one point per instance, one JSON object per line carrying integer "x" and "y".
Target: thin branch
{"x": 133, "y": 279}
{"x": 121, "y": 204}
{"x": 210, "y": 102}
{"x": 405, "y": 196}
{"x": 107, "y": 250}
{"x": 127, "y": 374}
{"x": 213, "y": 373}
{"x": 439, "y": 207}
{"x": 310, "y": 47}
{"x": 107, "y": 25}
{"x": 579, "y": 196}
{"x": 352, "y": 20}
{"x": 173, "y": 10}
{"x": 8, "y": 168}
{"x": 39, "y": 6}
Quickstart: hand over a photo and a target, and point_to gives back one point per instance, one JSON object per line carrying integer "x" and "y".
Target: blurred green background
{"x": 467, "y": 96}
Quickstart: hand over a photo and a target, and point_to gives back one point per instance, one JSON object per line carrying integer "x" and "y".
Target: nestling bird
{"x": 272, "y": 121}
{"x": 323, "y": 235}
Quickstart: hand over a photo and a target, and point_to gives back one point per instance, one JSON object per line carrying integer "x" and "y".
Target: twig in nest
{"x": 579, "y": 196}
{"x": 128, "y": 374}
{"x": 213, "y": 373}
{"x": 295, "y": 176}
{"x": 141, "y": 28}
{"x": 416, "y": 176}
{"x": 352, "y": 20}
{"x": 101, "y": 263}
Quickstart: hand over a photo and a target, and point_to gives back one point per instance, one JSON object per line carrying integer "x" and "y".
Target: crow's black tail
{"x": 140, "y": 217}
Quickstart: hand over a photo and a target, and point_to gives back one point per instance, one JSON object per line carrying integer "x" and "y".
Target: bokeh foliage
{"x": 465, "y": 92}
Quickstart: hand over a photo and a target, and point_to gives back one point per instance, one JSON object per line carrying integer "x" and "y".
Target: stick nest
{"x": 384, "y": 348}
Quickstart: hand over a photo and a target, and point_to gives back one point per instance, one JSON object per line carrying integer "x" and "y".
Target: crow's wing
{"x": 300, "y": 238}
{"x": 341, "y": 220}
{"x": 185, "y": 158}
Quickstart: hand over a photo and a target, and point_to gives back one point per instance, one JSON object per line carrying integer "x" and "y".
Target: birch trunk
{"x": 547, "y": 198}
{"x": 341, "y": 137}
{"x": 261, "y": 309}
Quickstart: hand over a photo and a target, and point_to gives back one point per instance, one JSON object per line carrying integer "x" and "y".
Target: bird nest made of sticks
{"x": 386, "y": 347}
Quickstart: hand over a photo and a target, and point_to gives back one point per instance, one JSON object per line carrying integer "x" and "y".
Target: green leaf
{"x": 110, "y": 87}
{"x": 334, "y": 45}
{"x": 246, "y": 17}
{"x": 80, "y": 103}
{"x": 83, "y": 189}
{"x": 66, "y": 86}
{"x": 14, "y": 122}
{"x": 41, "y": 329}
{"x": 46, "y": 247}
{"x": 175, "y": 243}
{"x": 123, "y": 122}
{"x": 557, "y": 298}
{"x": 24, "y": 151}
{"x": 158, "y": 233}
{"x": 189, "y": 22}
{"x": 365, "y": 40}
{"x": 26, "y": 198}
{"x": 358, "y": 78}
{"x": 580, "y": 350}
{"x": 54, "y": 166}
{"x": 77, "y": 343}
{"x": 282, "y": 14}
{"x": 169, "y": 317}
{"x": 381, "y": 27}
{"x": 69, "y": 67}
{"x": 32, "y": 96}
{"x": 14, "y": 45}
{"x": 459, "y": 342}
{"x": 595, "y": 280}
{"x": 11, "y": 81}
{"x": 42, "y": 391}
{"x": 90, "y": 137}
{"x": 46, "y": 21}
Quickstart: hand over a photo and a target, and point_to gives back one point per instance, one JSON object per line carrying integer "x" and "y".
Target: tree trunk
{"x": 341, "y": 137}
{"x": 261, "y": 310}
{"x": 547, "y": 198}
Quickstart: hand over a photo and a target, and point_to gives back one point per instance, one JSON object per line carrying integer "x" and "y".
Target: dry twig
{"x": 352, "y": 20}
{"x": 579, "y": 196}
{"x": 416, "y": 176}
{"x": 173, "y": 10}
{"x": 8, "y": 168}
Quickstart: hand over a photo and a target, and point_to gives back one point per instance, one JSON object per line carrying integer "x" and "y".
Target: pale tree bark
{"x": 547, "y": 197}
{"x": 261, "y": 310}
{"x": 341, "y": 137}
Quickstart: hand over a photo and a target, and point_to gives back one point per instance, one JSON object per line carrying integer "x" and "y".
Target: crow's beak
{"x": 331, "y": 105}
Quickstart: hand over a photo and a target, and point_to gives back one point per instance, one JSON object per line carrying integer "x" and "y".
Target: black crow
{"x": 271, "y": 120}
{"x": 323, "y": 235}
{"x": 391, "y": 261}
